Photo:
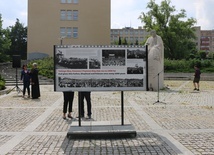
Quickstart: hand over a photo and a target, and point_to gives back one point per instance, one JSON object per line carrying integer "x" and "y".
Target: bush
{"x": 202, "y": 54}
{"x": 45, "y": 66}
{"x": 2, "y": 83}
{"x": 187, "y": 66}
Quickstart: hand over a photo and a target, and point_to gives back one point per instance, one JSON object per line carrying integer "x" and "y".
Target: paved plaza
{"x": 183, "y": 124}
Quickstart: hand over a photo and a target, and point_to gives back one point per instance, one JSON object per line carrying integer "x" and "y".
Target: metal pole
{"x": 158, "y": 87}
{"x": 122, "y": 108}
{"x": 16, "y": 80}
{"x": 79, "y": 103}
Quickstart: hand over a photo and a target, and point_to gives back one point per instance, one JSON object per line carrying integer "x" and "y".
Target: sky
{"x": 124, "y": 13}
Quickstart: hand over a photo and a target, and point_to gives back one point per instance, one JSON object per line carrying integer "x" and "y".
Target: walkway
{"x": 184, "y": 125}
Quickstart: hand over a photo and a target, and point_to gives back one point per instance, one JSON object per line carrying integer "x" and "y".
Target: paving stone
{"x": 184, "y": 125}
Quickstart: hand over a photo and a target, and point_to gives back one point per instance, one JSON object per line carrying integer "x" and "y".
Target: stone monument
{"x": 155, "y": 61}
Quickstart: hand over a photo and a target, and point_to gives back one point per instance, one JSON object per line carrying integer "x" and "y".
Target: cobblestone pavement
{"x": 180, "y": 123}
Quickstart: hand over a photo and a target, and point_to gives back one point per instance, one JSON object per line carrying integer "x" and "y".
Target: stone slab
{"x": 101, "y": 130}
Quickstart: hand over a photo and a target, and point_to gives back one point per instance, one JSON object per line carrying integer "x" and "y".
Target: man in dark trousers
{"x": 87, "y": 96}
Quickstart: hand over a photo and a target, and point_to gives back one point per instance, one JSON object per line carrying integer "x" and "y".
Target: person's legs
{"x": 28, "y": 89}
{"x": 196, "y": 80}
{"x": 71, "y": 97}
{"x": 194, "y": 84}
{"x": 24, "y": 88}
{"x": 88, "y": 100}
{"x": 65, "y": 104}
{"x": 82, "y": 112}
{"x": 198, "y": 86}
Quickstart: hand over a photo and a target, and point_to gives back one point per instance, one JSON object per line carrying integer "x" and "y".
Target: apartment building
{"x": 204, "y": 39}
{"x": 66, "y": 22}
{"x": 207, "y": 40}
{"x": 131, "y": 35}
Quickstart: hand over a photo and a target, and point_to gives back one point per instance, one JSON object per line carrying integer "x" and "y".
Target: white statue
{"x": 155, "y": 61}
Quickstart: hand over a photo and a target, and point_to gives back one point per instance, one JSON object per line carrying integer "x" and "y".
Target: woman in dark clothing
{"x": 35, "y": 91}
{"x": 25, "y": 77}
{"x": 68, "y": 103}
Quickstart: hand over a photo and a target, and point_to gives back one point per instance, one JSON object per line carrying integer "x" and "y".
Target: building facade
{"x": 207, "y": 40}
{"x": 204, "y": 39}
{"x": 131, "y": 35}
{"x": 66, "y": 22}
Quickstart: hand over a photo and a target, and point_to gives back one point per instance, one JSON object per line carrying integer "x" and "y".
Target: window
{"x": 75, "y": 1}
{"x": 69, "y": 1}
{"x": 63, "y": 1}
{"x": 141, "y": 32}
{"x": 141, "y": 39}
{"x": 126, "y": 32}
{"x": 75, "y": 32}
{"x": 75, "y": 14}
{"x": 63, "y": 14}
{"x": 69, "y": 30}
{"x": 62, "y": 31}
{"x": 69, "y": 15}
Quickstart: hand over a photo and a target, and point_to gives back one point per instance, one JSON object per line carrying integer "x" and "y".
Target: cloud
{"x": 13, "y": 9}
{"x": 204, "y": 13}
{"x": 126, "y": 14}
{"x": 123, "y": 12}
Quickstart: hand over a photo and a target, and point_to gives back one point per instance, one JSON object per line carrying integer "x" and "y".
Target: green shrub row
{"x": 46, "y": 66}
{"x": 206, "y": 65}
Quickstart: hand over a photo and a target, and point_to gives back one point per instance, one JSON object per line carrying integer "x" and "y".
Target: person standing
{"x": 25, "y": 77}
{"x": 35, "y": 90}
{"x": 87, "y": 97}
{"x": 68, "y": 103}
{"x": 197, "y": 77}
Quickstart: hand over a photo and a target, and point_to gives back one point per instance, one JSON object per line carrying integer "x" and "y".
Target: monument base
{"x": 100, "y": 130}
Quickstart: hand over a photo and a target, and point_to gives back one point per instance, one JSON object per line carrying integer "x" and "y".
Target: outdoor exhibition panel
{"x": 100, "y": 68}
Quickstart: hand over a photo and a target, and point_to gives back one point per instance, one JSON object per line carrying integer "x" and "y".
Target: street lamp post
{"x": 61, "y": 40}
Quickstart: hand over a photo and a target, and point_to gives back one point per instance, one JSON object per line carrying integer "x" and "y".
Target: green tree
{"x": 124, "y": 42}
{"x": 18, "y": 36}
{"x": 119, "y": 43}
{"x": 202, "y": 54}
{"x": 176, "y": 30}
{"x": 4, "y": 43}
{"x": 136, "y": 42}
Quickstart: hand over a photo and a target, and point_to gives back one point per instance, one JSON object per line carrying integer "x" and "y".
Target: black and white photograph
{"x": 68, "y": 82}
{"x": 113, "y": 57}
{"x": 61, "y": 61}
{"x": 100, "y": 83}
{"x": 135, "y": 82}
{"x": 119, "y": 82}
{"x": 137, "y": 69}
{"x": 94, "y": 63}
{"x": 136, "y": 54}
